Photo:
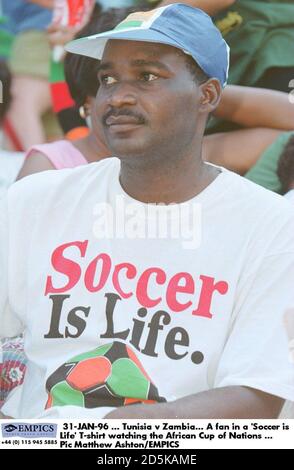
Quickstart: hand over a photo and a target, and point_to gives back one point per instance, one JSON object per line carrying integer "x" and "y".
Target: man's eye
{"x": 108, "y": 80}
{"x": 149, "y": 77}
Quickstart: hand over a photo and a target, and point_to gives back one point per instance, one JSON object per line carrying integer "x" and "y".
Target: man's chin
{"x": 127, "y": 149}
{"x": 127, "y": 154}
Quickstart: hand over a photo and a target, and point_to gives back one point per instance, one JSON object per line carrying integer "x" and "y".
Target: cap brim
{"x": 93, "y": 46}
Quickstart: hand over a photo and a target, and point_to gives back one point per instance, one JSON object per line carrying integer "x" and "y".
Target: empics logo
{"x": 29, "y": 430}
{"x": 10, "y": 428}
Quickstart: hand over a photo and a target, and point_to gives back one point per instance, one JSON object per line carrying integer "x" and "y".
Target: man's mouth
{"x": 123, "y": 122}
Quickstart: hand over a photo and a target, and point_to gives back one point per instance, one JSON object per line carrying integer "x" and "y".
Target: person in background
{"x": 29, "y": 63}
{"x": 265, "y": 170}
{"x": 286, "y": 170}
{"x": 260, "y": 34}
{"x": 10, "y": 162}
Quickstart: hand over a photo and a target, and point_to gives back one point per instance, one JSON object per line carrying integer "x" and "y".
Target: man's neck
{"x": 169, "y": 182}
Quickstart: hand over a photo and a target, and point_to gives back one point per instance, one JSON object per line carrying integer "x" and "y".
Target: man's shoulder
{"x": 41, "y": 185}
{"x": 262, "y": 220}
{"x": 257, "y": 198}
{"x": 258, "y": 211}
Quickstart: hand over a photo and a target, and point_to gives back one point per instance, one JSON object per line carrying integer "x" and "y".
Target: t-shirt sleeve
{"x": 256, "y": 353}
{"x": 10, "y": 324}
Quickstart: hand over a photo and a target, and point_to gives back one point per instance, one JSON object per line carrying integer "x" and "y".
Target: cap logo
{"x": 140, "y": 19}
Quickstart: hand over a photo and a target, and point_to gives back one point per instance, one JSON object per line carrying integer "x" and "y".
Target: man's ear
{"x": 210, "y": 95}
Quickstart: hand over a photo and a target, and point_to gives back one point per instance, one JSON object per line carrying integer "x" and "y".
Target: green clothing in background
{"x": 30, "y": 54}
{"x": 264, "y": 172}
{"x": 6, "y": 40}
{"x": 260, "y": 34}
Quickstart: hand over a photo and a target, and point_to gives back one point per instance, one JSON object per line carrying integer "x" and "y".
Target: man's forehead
{"x": 132, "y": 49}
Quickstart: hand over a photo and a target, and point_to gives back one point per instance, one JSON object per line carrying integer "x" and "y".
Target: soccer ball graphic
{"x": 110, "y": 375}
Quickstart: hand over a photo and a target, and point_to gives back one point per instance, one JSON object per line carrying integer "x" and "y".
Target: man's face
{"x": 147, "y": 99}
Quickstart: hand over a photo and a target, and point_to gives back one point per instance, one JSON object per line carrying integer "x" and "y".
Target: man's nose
{"x": 122, "y": 94}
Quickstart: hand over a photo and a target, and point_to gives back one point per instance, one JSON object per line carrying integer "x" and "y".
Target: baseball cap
{"x": 177, "y": 25}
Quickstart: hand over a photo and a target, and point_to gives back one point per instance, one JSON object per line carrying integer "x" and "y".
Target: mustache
{"x": 123, "y": 112}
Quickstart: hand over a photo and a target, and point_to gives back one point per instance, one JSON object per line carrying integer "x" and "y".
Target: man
{"x": 176, "y": 306}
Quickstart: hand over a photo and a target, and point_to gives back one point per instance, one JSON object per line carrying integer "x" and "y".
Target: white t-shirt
{"x": 290, "y": 196}
{"x": 10, "y": 164}
{"x": 111, "y": 319}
